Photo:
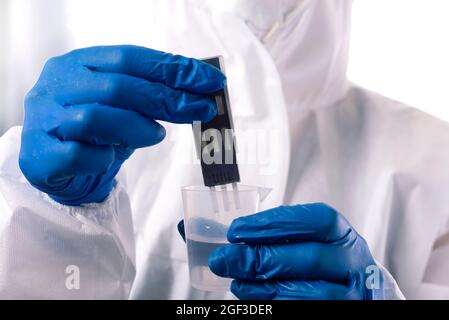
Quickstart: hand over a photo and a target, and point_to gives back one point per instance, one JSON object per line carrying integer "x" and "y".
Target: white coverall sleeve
{"x": 51, "y": 251}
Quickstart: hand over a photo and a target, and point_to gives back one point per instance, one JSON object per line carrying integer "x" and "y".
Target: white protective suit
{"x": 319, "y": 139}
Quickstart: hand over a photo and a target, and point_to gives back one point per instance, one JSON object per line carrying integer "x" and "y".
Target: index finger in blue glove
{"x": 175, "y": 71}
{"x": 151, "y": 99}
{"x": 309, "y": 222}
{"x": 306, "y": 260}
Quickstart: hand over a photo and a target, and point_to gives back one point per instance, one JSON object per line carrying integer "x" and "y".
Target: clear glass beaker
{"x": 208, "y": 212}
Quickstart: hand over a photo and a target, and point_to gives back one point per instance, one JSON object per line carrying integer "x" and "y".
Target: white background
{"x": 400, "y": 48}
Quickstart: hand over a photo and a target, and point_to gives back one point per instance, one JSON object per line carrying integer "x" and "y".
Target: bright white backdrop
{"x": 400, "y": 48}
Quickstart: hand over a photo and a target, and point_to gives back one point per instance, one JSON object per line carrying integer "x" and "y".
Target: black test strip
{"x": 216, "y": 142}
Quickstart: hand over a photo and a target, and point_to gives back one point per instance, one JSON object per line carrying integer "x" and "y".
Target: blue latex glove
{"x": 92, "y": 107}
{"x": 297, "y": 252}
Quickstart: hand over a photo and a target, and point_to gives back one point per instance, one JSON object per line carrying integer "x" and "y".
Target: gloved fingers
{"x": 294, "y": 290}
{"x": 174, "y": 71}
{"x": 105, "y": 125}
{"x": 60, "y": 160}
{"x": 309, "y": 222}
{"x": 307, "y": 260}
{"x": 150, "y": 99}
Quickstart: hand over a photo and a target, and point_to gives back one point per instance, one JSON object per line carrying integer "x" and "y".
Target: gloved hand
{"x": 92, "y": 107}
{"x": 297, "y": 252}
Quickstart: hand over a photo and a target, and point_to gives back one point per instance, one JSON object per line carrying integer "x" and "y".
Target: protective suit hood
{"x": 308, "y": 39}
